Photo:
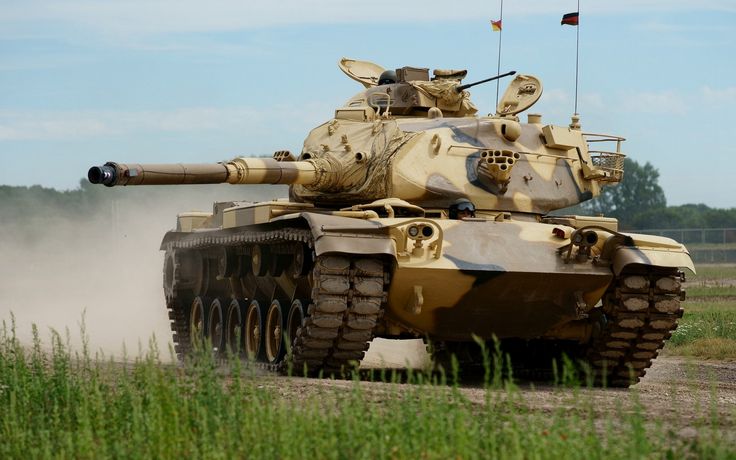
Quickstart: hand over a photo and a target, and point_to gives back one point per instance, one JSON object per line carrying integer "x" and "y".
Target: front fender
{"x": 335, "y": 234}
{"x": 653, "y": 251}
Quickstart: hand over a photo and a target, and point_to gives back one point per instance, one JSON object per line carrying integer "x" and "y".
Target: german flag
{"x": 496, "y": 25}
{"x": 571, "y": 19}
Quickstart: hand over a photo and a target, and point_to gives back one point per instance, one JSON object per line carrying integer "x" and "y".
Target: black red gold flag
{"x": 571, "y": 19}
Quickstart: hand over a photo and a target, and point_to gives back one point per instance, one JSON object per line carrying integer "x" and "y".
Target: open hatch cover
{"x": 522, "y": 93}
{"x": 364, "y": 72}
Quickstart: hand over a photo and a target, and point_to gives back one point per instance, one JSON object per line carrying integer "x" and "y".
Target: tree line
{"x": 638, "y": 202}
{"x": 30, "y": 213}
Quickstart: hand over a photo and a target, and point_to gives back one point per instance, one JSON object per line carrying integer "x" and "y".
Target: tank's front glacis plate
{"x": 492, "y": 278}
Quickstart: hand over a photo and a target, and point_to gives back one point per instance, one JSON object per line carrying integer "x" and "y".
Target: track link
{"x": 348, "y": 295}
{"x": 179, "y": 319}
{"x": 640, "y": 314}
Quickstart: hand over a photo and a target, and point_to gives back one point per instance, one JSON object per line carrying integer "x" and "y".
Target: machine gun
{"x": 462, "y": 88}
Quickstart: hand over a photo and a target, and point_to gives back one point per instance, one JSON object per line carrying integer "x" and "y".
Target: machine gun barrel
{"x": 237, "y": 171}
{"x": 462, "y": 88}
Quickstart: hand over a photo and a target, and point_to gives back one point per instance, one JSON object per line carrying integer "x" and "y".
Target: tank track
{"x": 177, "y": 312}
{"x": 640, "y": 312}
{"x": 179, "y": 321}
{"x": 348, "y": 296}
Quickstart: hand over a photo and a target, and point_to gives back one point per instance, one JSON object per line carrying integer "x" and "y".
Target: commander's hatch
{"x": 364, "y": 72}
{"x": 522, "y": 93}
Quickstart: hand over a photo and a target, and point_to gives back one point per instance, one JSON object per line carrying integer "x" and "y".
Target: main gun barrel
{"x": 237, "y": 171}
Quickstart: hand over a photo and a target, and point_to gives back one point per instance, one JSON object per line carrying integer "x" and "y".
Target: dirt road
{"x": 675, "y": 391}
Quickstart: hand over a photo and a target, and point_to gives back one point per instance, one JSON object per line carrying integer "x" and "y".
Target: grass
{"x": 712, "y": 281}
{"x": 55, "y": 403}
{"x": 708, "y": 328}
{"x": 713, "y": 274}
{"x": 60, "y": 404}
{"x": 716, "y": 291}
{"x": 721, "y": 246}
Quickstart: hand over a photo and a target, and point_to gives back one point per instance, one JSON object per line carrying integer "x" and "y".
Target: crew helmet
{"x": 462, "y": 204}
{"x": 387, "y": 77}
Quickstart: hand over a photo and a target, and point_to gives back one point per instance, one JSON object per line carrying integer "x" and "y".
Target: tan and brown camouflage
{"x": 376, "y": 181}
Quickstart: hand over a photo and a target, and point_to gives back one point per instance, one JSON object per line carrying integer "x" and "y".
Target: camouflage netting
{"x": 351, "y": 181}
{"x": 447, "y": 98}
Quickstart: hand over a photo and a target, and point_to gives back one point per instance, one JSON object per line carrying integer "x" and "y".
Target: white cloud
{"x": 555, "y": 104}
{"x": 164, "y": 16}
{"x": 593, "y": 101}
{"x": 671, "y": 102}
{"x": 24, "y": 126}
{"x": 665, "y": 102}
{"x": 714, "y": 97}
{"x": 91, "y": 124}
{"x": 656, "y": 26}
{"x": 555, "y": 96}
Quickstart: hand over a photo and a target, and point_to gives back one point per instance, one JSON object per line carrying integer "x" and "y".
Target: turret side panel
{"x": 443, "y": 166}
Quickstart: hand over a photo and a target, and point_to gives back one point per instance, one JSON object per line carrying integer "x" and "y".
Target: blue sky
{"x": 84, "y": 82}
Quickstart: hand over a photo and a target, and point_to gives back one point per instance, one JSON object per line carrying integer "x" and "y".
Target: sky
{"x": 84, "y": 82}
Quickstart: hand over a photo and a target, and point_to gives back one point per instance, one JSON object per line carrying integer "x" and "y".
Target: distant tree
{"x": 686, "y": 216}
{"x": 639, "y": 192}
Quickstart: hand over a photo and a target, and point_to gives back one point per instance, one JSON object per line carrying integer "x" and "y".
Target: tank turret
{"x": 416, "y": 139}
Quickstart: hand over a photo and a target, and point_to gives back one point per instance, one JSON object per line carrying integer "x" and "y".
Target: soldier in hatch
{"x": 461, "y": 209}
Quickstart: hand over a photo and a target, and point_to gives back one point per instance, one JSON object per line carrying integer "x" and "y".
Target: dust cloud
{"x": 103, "y": 267}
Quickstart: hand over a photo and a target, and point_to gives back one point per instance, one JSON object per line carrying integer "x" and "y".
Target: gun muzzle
{"x": 104, "y": 175}
{"x": 111, "y": 174}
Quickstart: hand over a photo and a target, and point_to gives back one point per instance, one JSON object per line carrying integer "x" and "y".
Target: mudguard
{"x": 334, "y": 234}
{"x": 653, "y": 251}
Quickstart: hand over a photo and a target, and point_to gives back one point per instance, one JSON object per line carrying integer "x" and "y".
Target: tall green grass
{"x": 713, "y": 272}
{"x": 708, "y": 328}
{"x": 55, "y": 403}
{"x": 705, "y": 319}
{"x": 712, "y": 292}
{"x": 712, "y": 281}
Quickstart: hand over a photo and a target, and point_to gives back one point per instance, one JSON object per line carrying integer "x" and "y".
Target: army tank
{"x": 371, "y": 241}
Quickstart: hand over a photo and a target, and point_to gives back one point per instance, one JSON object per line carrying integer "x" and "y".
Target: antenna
{"x": 498, "y": 67}
{"x": 577, "y": 57}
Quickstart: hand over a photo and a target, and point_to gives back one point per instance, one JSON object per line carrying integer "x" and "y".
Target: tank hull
{"x": 502, "y": 279}
{"x": 334, "y": 282}
{"x": 493, "y": 304}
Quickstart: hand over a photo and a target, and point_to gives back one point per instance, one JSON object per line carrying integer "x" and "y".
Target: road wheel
{"x": 301, "y": 263}
{"x": 215, "y": 325}
{"x": 198, "y": 321}
{"x": 260, "y": 260}
{"x": 294, "y": 320}
{"x": 274, "y": 339}
{"x": 234, "y": 326}
{"x": 254, "y": 331}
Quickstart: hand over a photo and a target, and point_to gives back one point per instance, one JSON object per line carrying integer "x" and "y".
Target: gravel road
{"x": 675, "y": 390}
